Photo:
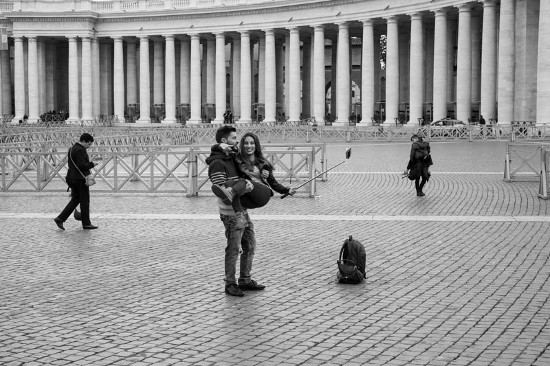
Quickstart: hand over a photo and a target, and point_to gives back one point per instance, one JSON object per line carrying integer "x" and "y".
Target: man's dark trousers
{"x": 80, "y": 195}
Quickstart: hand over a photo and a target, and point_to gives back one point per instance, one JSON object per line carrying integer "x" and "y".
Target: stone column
{"x": 236, "y": 56}
{"x": 416, "y": 71}
{"x": 96, "y": 84}
{"x": 343, "y": 94}
{"x": 261, "y": 74}
{"x": 270, "y": 77}
{"x": 506, "y": 60}
{"x": 306, "y": 78}
{"x": 131, "y": 72}
{"x": 87, "y": 95}
{"x": 287, "y": 76}
{"x": 543, "y": 65}
{"x": 367, "y": 73}
{"x": 144, "y": 82}
{"x": 440, "y": 66}
{"x": 6, "y": 82}
{"x": 170, "y": 80}
{"x": 73, "y": 81}
{"x": 221, "y": 83}
{"x": 211, "y": 71}
{"x": 195, "y": 88}
{"x": 33, "y": 80}
{"x": 318, "y": 86}
{"x": 106, "y": 76}
{"x": 118, "y": 80}
{"x": 279, "y": 66}
{"x": 158, "y": 72}
{"x": 294, "y": 90}
{"x": 185, "y": 72}
{"x": 392, "y": 72}
{"x": 464, "y": 65}
{"x": 488, "y": 61}
{"x": 476, "y": 57}
{"x": 19, "y": 79}
{"x": 246, "y": 79}
{"x": 51, "y": 90}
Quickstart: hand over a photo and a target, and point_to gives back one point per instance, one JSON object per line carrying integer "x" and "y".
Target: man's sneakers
{"x": 251, "y": 286}
{"x": 233, "y": 290}
{"x": 226, "y": 194}
{"x": 237, "y": 290}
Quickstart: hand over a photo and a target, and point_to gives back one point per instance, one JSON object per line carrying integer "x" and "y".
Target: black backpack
{"x": 352, "y": 261}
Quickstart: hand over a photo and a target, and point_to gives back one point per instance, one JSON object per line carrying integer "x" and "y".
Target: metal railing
{"x": 528, "y": 161}
{"x": 270, "y": 132}
{"x": 153, "y": 169}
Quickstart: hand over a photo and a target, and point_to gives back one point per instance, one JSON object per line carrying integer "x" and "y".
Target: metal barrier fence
{"x": 528, "y": 161}
{"x": 544, "y": 173}
{"x": 178, "y": 134}
{"x": 150, "y": 169}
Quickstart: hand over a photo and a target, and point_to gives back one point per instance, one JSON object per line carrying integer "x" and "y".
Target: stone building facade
{"x": 363, "y": 61}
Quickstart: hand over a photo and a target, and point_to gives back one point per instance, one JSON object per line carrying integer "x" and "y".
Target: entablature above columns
{"x": 276, "y": 15}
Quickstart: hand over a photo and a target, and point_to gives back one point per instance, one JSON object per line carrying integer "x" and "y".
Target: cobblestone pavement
{"x": 459, "y": 277}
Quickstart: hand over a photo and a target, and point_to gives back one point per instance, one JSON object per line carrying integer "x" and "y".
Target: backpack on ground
{"x": 352, "y": 261}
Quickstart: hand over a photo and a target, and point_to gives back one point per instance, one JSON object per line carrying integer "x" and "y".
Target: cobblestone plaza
{"x": 459, "y": 277}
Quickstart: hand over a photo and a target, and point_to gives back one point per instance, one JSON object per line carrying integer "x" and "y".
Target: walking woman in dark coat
{"x": 419, "y": 162}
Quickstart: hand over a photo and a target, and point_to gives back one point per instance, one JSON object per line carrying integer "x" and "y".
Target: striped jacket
{"x": 221, "y": 168}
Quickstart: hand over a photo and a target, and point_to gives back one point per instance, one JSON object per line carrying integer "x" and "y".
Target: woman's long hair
{"x": 258, "y": 154}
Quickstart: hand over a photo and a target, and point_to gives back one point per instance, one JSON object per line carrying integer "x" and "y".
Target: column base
{"x": 33, "y": 119}
{"x": 194, "y": 122}
{"x": 388, "y": 122}
{"x": 243, "y": 121}
{"x": 169, "y": 121}
{"x": 143, "y": 120}
{"x": 338, "y": 123}
{"x": 269, "y": 120}
{"x": 72, "y": 120}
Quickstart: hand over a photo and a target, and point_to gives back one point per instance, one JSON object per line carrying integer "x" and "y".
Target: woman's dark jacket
{"x": 78, "y": 156}
{"x": 420, "y": 158}
{"x": 270, "y": 181}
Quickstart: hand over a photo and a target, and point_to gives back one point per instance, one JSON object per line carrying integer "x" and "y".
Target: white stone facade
{"x": 166, "y": 61}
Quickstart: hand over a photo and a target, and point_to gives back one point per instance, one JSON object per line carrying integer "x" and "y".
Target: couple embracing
{"x": 242, "y": 179}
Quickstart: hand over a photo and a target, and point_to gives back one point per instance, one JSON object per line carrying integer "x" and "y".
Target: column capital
{"x": 464, "y": 8}
{"x": 391, "y": 19}
{"x": 342, "y": 25}
{"x": 219, "y": 34}
{"x": 143, "y": 38}
{"x": 71, "y": 38}
{"x": 293, "y": 29}
{"x": 244, "y": 32}
{"x": 415, "y": 16}
{"x": 269, "y": 31}
{"x": 488, "y": 3}
{"x": 168, "y": 37}
{"x": 367, "y": 23}
{"x": 440, "y": 12}
{"x": 117, "y": 39}
{"x": 86, "y": 39}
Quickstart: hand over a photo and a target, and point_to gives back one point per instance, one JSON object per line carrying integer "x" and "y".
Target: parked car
{"x": 448, "y": 127}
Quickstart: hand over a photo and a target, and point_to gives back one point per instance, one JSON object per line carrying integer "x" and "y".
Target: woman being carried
{"x": 255, "y": 168}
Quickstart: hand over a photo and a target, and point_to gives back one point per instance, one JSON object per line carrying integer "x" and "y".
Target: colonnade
{"x": 457, "y": 57}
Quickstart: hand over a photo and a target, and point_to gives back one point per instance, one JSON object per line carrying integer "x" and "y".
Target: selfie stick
{"x": 348, "y": 154}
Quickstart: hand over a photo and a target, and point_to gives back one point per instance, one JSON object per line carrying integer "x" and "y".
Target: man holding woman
{"x": 226, "y": 175}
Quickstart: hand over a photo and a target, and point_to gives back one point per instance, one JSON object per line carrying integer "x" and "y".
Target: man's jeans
{"x": 237, "y": 239}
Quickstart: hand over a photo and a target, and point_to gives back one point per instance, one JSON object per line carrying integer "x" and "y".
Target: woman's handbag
{"x": 90, "y": 181}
